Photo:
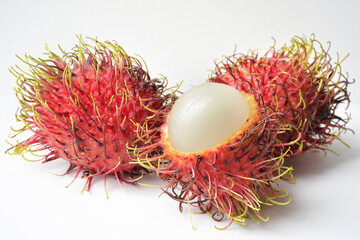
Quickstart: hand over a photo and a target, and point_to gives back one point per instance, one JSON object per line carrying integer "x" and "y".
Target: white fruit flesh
{"x": 205, "y": 116}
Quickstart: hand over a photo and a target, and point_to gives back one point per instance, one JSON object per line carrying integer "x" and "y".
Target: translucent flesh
{"x": 205, "y": 116}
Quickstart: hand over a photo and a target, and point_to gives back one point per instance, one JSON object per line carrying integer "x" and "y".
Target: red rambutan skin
{"x": 298, "y": 82}
{"x": 85, "y": 107}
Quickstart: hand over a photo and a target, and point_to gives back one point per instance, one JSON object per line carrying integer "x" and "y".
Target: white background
{"x": 181, "y": 40}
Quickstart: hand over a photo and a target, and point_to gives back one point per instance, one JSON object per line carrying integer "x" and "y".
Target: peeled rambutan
{"x": 298, "y": 81}
{"x": 231, "y": 166}
{"x": 84, "y": 108}
{"x": 216, "y": 149}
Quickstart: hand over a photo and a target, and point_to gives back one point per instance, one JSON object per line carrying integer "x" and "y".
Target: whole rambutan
{"x": 84, "y": 107}
{"x": 298, "y": 81}
{"x": 230, "y": 165}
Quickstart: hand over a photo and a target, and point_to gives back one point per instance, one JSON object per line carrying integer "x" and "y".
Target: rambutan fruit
{"x": 84, "y": 107}
{"x": 216, "y": 149}
{"x": 224, "y": 153}
{"x": 298, "y": 81}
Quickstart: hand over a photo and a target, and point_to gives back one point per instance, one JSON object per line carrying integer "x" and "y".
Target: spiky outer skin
{"x": 297, "y": 81}
{"x": 85, "y": 107}
{"x": 233, "y": 179}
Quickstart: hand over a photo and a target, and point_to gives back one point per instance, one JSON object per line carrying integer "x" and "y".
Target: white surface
{"x": 205, "y": 116}
{"x": 179, "y": 39}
